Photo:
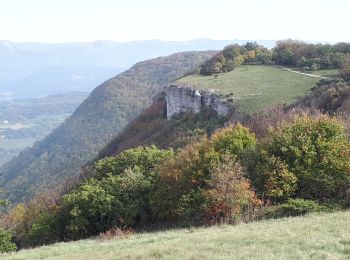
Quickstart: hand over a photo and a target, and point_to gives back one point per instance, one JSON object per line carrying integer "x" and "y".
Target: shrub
{"x": 297, "y": 207}
{"x": 5, "y": 241}
{"x": 308, "y": 158}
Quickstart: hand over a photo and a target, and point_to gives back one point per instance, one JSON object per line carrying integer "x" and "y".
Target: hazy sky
{"x": 126, "y": 20}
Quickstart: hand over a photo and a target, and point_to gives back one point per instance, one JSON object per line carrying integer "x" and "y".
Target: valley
{"x": 26, "y": 121}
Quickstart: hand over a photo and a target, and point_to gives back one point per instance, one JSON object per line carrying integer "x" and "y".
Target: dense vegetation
{"x": 328, "y": 96}
{"x": 302, "y": 55}
{"x": 234, "y": 55}
{"x": 300, "y": 165}
{"x": 308, "y": 56}
{"x": 96, "y": 121}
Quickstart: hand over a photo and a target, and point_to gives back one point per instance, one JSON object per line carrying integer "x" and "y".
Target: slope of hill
{"x": 152, "y": 128}
{"x": 95, "y": 122}
{"x": 317, "y": 236}
{"x": 252, "y": 87}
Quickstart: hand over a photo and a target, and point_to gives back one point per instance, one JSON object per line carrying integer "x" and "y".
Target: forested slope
{"x": 95, "y": 122}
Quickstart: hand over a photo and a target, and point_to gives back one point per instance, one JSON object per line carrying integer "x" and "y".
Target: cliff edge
{"x": 180, "y": 98}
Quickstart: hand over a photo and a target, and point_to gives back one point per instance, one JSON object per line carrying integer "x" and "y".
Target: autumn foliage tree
{"x": 230, "y": 194}
{"x": 187, "y": 181}
{"x": 307, "y": 158}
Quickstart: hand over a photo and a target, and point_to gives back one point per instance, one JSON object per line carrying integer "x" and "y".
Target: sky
{"x": 176, "y": 20}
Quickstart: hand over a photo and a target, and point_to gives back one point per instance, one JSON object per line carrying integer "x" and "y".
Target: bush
{"x": 5, "y": 242}
{"x": 308, "y": 158}
{"x": 298, "y": 207}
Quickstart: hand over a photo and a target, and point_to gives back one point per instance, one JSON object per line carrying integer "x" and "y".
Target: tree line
{"x": 298, "y": 54}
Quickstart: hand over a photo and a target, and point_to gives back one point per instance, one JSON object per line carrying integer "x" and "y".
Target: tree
{"x": 6, "y": 244}
{"x": 184, "y": 181}
{"x": 230, "y": 192}
{"x": 308, "y": 158}
{"x": 233, "y": 140}
{"x": 345, "y": 69}
{"x": 117, "y": 195}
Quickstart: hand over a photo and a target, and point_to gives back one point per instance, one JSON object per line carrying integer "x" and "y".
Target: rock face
{"x": 185, "y": 98}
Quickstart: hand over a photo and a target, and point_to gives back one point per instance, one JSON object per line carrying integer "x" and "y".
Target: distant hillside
{"x": 30, "y": 70}
{"x": 22, "y": 122}
{"x": 316, "y": 236}
{"x": 96, "y": 121}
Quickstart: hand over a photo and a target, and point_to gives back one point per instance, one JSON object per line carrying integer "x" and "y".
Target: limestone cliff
{"x": 185, "y": 98}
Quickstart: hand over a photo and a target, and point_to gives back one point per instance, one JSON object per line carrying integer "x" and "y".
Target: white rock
{"x": 185, "y": 98}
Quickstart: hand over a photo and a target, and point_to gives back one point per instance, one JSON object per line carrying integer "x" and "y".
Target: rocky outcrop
{"x": 185, "y": 98}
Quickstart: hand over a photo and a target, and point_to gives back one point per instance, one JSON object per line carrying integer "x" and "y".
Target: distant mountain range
{"x": 31, "y": 70}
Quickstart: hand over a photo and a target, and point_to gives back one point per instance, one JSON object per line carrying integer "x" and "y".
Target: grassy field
{"x": 253, "y": 87}
{"x": 322, "y": 236}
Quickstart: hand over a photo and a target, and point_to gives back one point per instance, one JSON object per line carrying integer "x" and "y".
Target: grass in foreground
{"x": 318, "y": 236}
{"x": 254, "y": 87}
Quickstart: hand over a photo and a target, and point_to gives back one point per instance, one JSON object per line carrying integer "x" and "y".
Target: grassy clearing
{"x": 253, "y": 87}
{"x": 320, "y": 236}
